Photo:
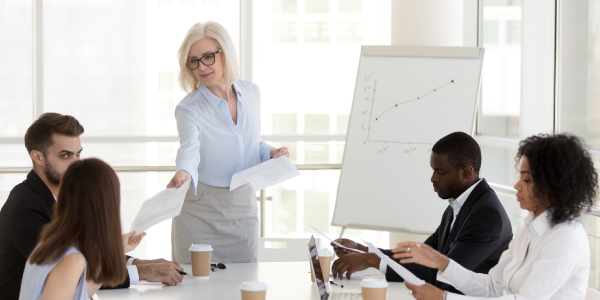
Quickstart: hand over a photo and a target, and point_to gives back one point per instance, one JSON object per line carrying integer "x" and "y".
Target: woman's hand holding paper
{"x": 424, "y": 292}
{"x": 131, "y": 241}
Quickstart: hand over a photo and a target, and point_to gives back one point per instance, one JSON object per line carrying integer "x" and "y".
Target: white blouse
{"x": 541, "y": 262}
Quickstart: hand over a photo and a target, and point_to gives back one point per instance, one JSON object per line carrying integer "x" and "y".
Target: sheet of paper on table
{"x": 264, "y": 175}
{"x": 398, "y": 268}
{"x": 165, "y": 205}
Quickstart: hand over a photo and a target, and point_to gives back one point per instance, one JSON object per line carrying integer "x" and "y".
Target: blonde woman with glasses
{"x": 219, "y": 130}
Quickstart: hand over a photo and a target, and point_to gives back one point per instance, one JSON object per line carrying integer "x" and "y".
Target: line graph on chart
{"x": 371, "y": 86}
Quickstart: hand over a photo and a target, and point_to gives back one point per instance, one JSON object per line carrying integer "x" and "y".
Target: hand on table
{"x": 165, "y": 272}
{"x": 354, "y": 262}
{"x": 350, "y": 244}
{"x": 275, "y": 153}
{"x": 419, "y": 253}
{"x": 424, "y": 292}
{"x": 179, "y": 178}
{"x": 131, "y": 241}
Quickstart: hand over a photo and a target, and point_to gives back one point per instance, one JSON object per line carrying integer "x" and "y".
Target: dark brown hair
{"x": 39, "y": 134}
{"x": 87, "y": 216}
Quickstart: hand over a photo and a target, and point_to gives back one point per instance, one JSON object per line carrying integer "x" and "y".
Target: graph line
{"x": 411, "y": 100}
{"x": 372, "y": 104}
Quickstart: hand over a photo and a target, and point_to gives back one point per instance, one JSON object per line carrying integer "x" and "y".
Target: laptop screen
{"x": 316, "y": 267}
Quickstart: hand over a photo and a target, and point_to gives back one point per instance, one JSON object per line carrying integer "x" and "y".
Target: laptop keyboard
{"x": 345, "y": 296}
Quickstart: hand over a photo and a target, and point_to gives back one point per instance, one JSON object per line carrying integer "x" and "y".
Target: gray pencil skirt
{"x": 226, "y": 220}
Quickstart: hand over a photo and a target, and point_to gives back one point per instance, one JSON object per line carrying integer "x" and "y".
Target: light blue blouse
{"x": 212, "y": 147}
{"x": 34, "y": 279}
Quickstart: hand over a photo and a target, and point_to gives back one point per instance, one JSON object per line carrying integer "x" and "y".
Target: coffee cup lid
{"x": 253, "y": 286}
{"x": 200, "y": 247}
{"x": 374, "y": 283}
{"x": 324, "y": 252}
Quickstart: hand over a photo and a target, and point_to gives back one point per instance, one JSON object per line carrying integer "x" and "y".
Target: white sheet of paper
{"x": 162, "y": 206}
{"x": 365, "y": 273}
{"x": 334, "y": 242}
{"x": 264, "y": 175}
{"x": 398, "y": 268}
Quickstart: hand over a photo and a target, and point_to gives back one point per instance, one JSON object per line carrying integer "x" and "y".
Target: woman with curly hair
{"x": 549, "y": 258}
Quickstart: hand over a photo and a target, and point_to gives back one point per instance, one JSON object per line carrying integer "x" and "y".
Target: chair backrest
{"x": 592, "y": 294}
{"x": 284, "y": 249}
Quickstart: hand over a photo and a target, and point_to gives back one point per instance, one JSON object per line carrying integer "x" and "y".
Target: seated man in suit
{"x": 53, "y": 144}
{"x": 474, "y": 230}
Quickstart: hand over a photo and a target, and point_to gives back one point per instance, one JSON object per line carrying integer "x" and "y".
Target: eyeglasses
{"x": 206, "y": 59}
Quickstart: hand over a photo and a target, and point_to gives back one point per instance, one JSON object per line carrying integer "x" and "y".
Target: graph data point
{"x": 396, "y": 105}
{"x": 452, "y": 80}
{"x": 376, "y": 119}
{"x": 434, "y": 90}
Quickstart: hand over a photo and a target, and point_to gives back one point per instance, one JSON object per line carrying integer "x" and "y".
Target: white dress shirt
{"x": 542, "y": 262}
{"x": 456, "y": 205}
{"x": 134, "y": 275}
{"x": 212, "y": 147}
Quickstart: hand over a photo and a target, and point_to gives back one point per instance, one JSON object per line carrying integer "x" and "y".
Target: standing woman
{"x": 549, "y": 258}
{"x": 219, "y": 131}
{"x": 82, "y": 247}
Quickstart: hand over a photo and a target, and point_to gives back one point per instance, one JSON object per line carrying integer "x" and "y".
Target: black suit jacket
{"x": 28, "y": 208}
{"x": 480, "y": 234}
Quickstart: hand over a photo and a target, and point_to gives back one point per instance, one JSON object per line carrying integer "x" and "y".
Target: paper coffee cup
{"x": 201, "y": 255}
{"x": 325, "y": 260}
{"x": 374, "y": 288}
{"x": 253, "y": 290}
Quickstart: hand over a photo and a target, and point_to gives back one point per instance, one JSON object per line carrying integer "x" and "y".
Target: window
{"x": 306, "y": 70}
{"x": 580, "y": 70}
{"x": 113, "y": 64}
{"x": 501, "y": 75}
{"x": 16, "y": 92}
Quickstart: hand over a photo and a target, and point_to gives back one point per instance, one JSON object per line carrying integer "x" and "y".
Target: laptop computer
{"x": 321, "y": 286}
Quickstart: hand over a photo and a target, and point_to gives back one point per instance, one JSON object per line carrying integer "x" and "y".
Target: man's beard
{"x": 51, "y": 174}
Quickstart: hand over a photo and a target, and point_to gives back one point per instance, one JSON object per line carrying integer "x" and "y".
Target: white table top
{"x": 285, "y": 280}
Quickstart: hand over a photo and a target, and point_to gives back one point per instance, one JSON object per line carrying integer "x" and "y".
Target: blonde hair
{"x": 215, "y": 31}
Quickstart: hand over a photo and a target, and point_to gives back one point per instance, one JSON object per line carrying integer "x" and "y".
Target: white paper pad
{"x": 398, "y": 268}
{"x": 334, "y": 242}
{"x": 365, "y": 272}
{"x": 264, "y": 175}
{"x": 162, "y": 206}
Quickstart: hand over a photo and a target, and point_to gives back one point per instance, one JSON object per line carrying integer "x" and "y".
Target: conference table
{"x": 285, "y": 280}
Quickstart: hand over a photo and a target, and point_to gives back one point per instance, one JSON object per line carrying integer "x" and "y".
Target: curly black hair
{"x": 562, "y": 172}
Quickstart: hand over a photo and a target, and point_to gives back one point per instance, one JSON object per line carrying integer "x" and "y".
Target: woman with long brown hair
{"x": 82, "y": 247}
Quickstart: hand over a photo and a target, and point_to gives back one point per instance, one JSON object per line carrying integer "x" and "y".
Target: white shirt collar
{"x": 457, "y": 203}
{"x": 540, "y": 224}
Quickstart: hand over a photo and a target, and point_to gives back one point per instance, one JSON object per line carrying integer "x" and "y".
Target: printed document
{"x": 266, "y": 174}
{"x": 398, "y": 268}
{"x": 334, "y": 242}
{"x": 162, "y": 206}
